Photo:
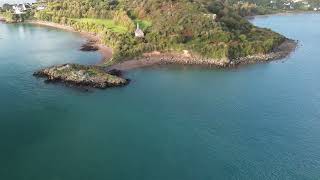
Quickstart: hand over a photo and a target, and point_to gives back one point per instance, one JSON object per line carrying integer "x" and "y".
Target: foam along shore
{"x": 81, "y": 75}
{"x": 158, "y": 58}
{"x": 93, "y": 41}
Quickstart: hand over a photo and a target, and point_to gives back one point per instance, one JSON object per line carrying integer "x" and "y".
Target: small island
{"x": 133, "y": 34}
{"x": 81, "y": 75}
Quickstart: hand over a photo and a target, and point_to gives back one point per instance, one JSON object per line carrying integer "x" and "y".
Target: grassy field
{"x": 110, "y": 24}
{"x": 106, "y": 22}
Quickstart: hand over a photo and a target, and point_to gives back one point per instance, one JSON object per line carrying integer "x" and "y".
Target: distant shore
{"x": 105, "y": 51}
{"x": 285, "y": 13}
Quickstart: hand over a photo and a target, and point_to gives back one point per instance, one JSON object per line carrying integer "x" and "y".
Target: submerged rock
{"x": 89, "y": 46}
{"x": 81, "y": 75}
{"x": 115, "y": 72}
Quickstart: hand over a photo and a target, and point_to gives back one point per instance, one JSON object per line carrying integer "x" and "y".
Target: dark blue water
{"x": 255, "y": 122}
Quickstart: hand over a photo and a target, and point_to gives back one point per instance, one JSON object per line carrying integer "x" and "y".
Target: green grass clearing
{"x": 106, "y": 22}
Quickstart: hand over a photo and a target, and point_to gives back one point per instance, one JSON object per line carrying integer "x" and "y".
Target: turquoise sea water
{"x": 255, "y": 122}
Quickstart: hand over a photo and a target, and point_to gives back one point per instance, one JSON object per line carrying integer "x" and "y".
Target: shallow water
{"x": 255, "y": 122}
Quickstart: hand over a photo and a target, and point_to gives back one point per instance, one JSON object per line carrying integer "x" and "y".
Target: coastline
{"x": 178, "y": 58}
{"x": 285, "y": 13}
{"x": 81, "y": 75}
{"x": 102, "y": 76}
{"x": 2, "y": 19}
{"x": 157, "y": 58}
{"x": 104, "y": 50}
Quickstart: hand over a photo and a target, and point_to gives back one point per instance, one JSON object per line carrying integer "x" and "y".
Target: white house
{"x": 20, "y": 8}
{"x": 17, "y": 9}
{"x": 139, "y": 33}
{"x": 41, "y": 8}
{"x": 287, "y": 4}
{"x": 213, "y": 16}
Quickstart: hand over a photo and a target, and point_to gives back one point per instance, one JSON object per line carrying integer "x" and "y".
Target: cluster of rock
{"x": 90, "y": 45}
{"x": 81, "y": 75}
{"x": 95, "y": 76}
{"x": 186, "y": 58}
{"x": 282, "y": 51}
{"x": 279, "y": 52}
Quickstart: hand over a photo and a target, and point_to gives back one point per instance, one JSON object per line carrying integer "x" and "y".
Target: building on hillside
{"x": 305, "y": 3}
{"x": 296, "y": 1}
{"x": 41, "y": 8}
{"x": 139, "y": 33}
{"x": 213, "y": 16}
{"x": 287, "y": 3}
{"x": 21, "y": 8}
{"x": 18, "y": 9}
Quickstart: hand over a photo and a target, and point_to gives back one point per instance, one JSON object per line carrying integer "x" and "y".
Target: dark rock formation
{"x": 89, "y": 46}
{"x": 115, "y": 72}
{"x": 81, "y": 75}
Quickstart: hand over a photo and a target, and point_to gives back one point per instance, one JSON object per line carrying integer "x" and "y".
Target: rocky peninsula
{"x": 134, "y": 34}
{"x": 186, "y": 58}
{"x": 81, "y": 75}
{"x": 110, "y": 76}
{"x": 78, "y": 74}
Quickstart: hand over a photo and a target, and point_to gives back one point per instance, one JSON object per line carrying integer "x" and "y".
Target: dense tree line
{"x": 207, "y": 27}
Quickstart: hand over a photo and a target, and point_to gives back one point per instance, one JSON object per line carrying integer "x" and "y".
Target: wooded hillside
{"x": 208, "y": 28}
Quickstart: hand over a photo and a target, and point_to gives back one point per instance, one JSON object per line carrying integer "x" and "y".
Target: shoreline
{"x": 104, "y": 50}
{"x": 286, "y": 13}
{"x": 81, "y": 75}
{"x": 156, "y": 58}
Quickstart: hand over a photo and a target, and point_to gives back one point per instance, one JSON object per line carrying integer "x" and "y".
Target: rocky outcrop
{"x": 90, "y": 45}
{"x": 81, "y": 75}
{"x": 115, "y": 72}
{"x": 279, "y": 52}
{"x": 185, "y": 58}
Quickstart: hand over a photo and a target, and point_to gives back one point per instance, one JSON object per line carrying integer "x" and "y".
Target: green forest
{"x": 209, "y": 28}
